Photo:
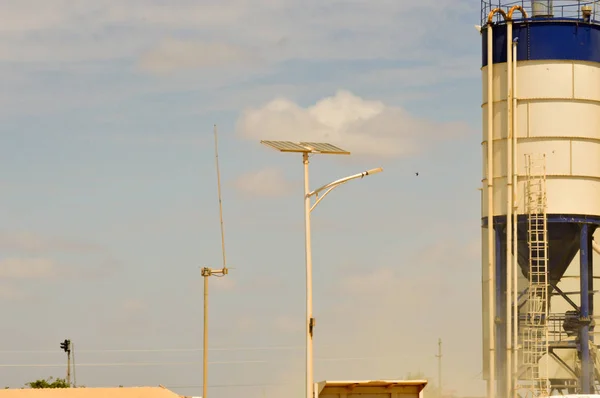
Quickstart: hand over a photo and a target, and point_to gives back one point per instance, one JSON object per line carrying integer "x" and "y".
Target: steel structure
{"x": 541, "y": 98}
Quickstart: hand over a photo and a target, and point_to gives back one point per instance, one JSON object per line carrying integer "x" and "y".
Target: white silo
{"x": 541, "y": 105}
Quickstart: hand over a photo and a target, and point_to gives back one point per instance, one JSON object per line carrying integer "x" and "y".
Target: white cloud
{"x": 365, "y": 127}
{"x": 11, "y": 293}
{"x": 133, "y": 306}
{"x": 174, "y": 55}
{"x": 30, "y": 242}
{"x": 226, "y": 283}
{"x": 247, "y": 322}
{"x": 376, "y": 280}
{"x": 131, "y": 316}
{"x": 288, "y": 324}
{"x": 66, "y": 30}
{"x": 27, "y": 268}
{"x": 68, "y": 49}
{"x": 263, "y": 183}
{"x": 32, "y": 255}
{"x": 423, "y": 75}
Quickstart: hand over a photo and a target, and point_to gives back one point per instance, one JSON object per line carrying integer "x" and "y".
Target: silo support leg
{"x": 584, "y": 332}
{"x": 500, "y": 267}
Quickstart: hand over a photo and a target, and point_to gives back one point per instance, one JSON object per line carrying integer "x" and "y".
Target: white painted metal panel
{"x": 542, "y": 79}
{"x": 565, "y": 196}
{"x": 499, "y": 84}
{"x": 500, "y": 121}
{"x": 551, "y": 122}
{"x": 586, "y": 158}
{"x": 522, "y": 119}
{"x": 564, "y": 119}
{"x": 570, "y": 196}
{"x": 558, "y": 155}
{"x": 586, "y": 81}
{"x": 499, "y": 159}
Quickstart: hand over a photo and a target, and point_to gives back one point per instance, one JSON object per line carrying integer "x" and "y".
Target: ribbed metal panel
{"x": 558, "y": 114}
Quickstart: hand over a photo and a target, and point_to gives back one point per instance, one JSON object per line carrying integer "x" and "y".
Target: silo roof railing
{"x": 567, "y": 10}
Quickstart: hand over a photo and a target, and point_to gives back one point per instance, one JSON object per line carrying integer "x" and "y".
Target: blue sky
{"x": 109, "y": 202}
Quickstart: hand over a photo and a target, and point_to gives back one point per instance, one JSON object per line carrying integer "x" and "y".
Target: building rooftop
{"x": 389, "y": 385}
{"x": 375, "y": 383}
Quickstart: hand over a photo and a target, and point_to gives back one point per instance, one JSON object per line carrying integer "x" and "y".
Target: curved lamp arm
{"x": 332, "y": 185}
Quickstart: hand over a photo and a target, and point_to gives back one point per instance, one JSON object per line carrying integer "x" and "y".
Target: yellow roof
{"x": 376, "y": 383}
{"x": 416, "y": 385}
{"x": 122, "y": 392}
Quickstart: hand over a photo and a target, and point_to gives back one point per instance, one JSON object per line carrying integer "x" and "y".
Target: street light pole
{"x": 310, "y": 322}
{"x": 316, "y": 148}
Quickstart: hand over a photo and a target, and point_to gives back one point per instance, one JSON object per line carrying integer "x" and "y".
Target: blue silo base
{"x": 567, "y": 234}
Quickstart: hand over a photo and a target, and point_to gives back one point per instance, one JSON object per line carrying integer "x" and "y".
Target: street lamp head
{"x": 374, "y": 171}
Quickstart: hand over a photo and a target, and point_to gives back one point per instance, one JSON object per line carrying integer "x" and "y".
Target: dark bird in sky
{"x": 417, "y": 174}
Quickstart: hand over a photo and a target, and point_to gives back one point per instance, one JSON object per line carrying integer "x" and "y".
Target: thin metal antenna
{"x": 207, "y": 272}
{"x": 220, "y": 201}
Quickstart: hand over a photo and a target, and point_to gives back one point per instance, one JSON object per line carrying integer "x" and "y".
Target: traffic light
{"x": 66, "y": 345}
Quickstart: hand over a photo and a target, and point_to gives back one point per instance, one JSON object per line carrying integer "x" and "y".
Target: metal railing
{"x": 556, "y": 331}
{"x": 544, "y": 10}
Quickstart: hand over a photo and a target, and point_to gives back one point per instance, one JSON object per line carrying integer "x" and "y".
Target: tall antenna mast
{"x": 220, "y": 201}
{"x": 206, "y": 272}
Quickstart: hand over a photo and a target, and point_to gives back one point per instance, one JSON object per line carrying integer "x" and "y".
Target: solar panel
{"x": 285, "y": 146}
{"x": 313, "y": 147}
{"x": 325, "y": 148}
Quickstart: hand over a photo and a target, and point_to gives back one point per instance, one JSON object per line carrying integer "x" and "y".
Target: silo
{"x": 541, "y": 182}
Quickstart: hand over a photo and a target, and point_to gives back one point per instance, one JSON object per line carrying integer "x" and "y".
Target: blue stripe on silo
{"x": 547, "y": 40}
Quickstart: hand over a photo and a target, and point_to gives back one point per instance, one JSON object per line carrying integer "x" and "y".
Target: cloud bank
{"x": 174, "y": 55}
{"x": 365, "y": 127}
{"x": 267, "y": 182}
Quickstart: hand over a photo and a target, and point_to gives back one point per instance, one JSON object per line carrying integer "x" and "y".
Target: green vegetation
{"x": 48, "y": 383}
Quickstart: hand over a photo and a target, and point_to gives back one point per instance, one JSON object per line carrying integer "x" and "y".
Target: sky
{"x": 109, "y": 193}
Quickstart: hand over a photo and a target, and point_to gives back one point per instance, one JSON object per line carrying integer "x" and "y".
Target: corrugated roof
{"x": 374, "y": 383}
{"x": 123, "y": 392}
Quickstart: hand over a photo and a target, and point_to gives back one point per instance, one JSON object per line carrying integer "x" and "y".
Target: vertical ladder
{"x": 535, "y": 331}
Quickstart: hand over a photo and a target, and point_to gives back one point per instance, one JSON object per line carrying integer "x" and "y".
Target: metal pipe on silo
{"x": 509, "y": 204}
{"x": 513, "y": 212}
{"x": 584, "y": 332}
{"x": 515, "y": 258}
{"x": 490, "y": 212}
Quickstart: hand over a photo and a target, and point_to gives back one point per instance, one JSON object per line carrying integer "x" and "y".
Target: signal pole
{"x": 439, "y": 357}
{"x": 66, "y": 346}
